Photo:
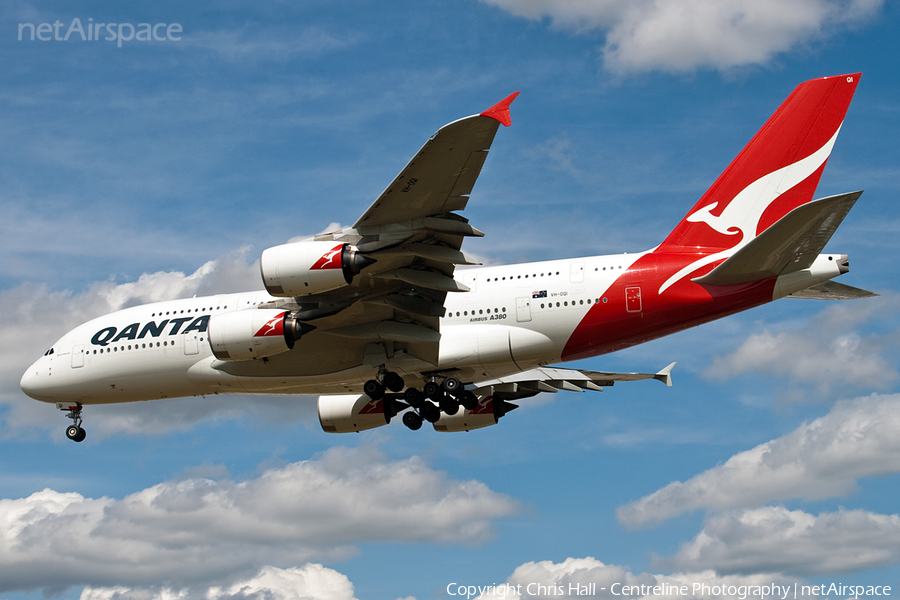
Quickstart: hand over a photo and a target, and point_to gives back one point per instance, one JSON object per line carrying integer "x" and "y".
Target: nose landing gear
{"x": 74, "y": 431}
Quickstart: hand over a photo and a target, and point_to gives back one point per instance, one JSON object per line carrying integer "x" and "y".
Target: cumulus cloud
{"x": 791, "y": 542}
{"x": 312, "y": 581}
{"x": 821, "y": 459}
{"x": 547, "y": 580}
{"x": 684, "y": 35}
{"x": 32, "y": 317}
{"x": 827, "y": 352}
{"x": 200, "y": 532}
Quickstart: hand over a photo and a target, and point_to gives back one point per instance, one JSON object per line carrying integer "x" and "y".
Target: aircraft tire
{"x": 413, "y": 397}
{"x": 75, "y": 433}
{"x": 393, "y": 381}
{"x": 412, "y": 420}
{"x": 452, "y": 385}
{"x": 373, "y": 389}
{"x": 449, "y": 405}
{"x": 469, "y": 400}
{"x": 430, "y": 412}
{"x": 432, "y": 390}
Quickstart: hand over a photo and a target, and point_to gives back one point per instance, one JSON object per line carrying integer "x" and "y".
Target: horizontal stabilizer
{"x": 832, "y": 290}
{"x": 789, "y": 245}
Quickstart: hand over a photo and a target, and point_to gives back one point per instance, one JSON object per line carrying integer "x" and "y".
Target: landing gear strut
{"x": 74, "y": 431}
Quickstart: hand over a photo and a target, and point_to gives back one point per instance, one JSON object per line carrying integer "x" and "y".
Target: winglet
{"x": 500, "y": 111}
{"x": 665, "y": 375}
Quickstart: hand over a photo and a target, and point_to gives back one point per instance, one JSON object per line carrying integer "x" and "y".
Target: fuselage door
{"x": 576, "y": 272}
{"x": 633, "y": 299}
{"x": 78, "y": 356}
{"x": 191, "y": 343}
{"x": 523, "y": 309}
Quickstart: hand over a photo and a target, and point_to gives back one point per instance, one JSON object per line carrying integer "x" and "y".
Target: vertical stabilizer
{"x": 775, "y": 173}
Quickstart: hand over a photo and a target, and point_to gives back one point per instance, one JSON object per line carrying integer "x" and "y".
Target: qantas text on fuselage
{"x": 391, "y": 317}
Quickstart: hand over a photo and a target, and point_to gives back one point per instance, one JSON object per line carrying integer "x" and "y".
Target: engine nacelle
{"x": 345, "y": 414}
{"x": 305, "y": 268}
{"x": 254, "y": 333}
{"x": 487, "y": 413}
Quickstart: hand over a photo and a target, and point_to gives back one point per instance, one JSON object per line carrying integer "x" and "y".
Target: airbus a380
{"x": 376, "y": 320}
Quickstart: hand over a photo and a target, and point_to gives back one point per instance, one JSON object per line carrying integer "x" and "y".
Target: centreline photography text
{"x": 668, "y": 590}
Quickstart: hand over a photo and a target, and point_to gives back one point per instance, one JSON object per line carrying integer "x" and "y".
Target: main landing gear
{"x": 74, "y": 431}
{"x": 428, "y": 403}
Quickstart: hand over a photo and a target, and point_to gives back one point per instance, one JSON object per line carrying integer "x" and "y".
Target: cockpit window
{"x": 48, "y": 352}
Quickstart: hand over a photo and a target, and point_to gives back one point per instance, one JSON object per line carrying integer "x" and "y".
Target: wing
{"x": 552, "y": 380}
{"x": 414, "y": 236}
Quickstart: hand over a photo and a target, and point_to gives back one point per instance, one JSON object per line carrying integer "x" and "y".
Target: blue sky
{"x": 161, "y": 169}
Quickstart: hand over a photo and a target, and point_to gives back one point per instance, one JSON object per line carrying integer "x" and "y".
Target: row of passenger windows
{"x": 123, "y": 348}
{"x": 536, "y": 275}
{"x": 566, "y": 302}
{"x": 189, "y": 311}
{"x": 481, "y": 311}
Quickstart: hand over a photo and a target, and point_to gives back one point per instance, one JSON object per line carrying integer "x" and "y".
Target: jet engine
{"x": 305, "y": 268}
{"x": 254, "y": 333}
{"x": 487, "y": 413}
{"x": 344, "y": 414}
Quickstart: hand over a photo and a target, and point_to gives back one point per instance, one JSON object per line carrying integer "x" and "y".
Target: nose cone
{"x": 36, "y": 381}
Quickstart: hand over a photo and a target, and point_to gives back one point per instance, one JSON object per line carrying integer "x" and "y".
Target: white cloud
{"x": 684, "y": 35}
{"x": 312, "y": 581}
{"x": 551, "y": 581}
{"x": 198, "y": 532}
{"x": 827, "y": 352}
{"x": 32, "y": 317}
{"x": 791, "y": 542}
{"x": 820, "y": 459}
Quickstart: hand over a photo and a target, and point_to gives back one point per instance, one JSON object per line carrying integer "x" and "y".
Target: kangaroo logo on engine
{"x": 274, "y": 326}
{"x": 329, "y": 260}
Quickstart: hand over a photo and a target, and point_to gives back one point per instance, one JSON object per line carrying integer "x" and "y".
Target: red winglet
{"x": 500, "y": 111}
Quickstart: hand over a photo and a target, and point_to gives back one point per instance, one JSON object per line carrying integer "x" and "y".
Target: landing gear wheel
{"x": 430, "y": 412}
{"x": 452, "y": 385}
{"x": 393, "y": 381}
{"x": 432, "y": 390}
{"x": 373, "y": 389}
{"x": 449, "y": 405}
{"x": 413, "y": 397}
{"x": 75, "y": 433}
{"x": 469, "y": 400}
{"x": 412, "y": 420}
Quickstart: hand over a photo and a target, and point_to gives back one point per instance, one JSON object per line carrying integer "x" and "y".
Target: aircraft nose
{"x": 36, "y": 381}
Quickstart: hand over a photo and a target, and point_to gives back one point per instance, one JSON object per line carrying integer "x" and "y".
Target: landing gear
{"x": 427, "y": 404}
{"x": 74, "y": 432}
{"x": 436, "y": 398}
{"x": 387, "y": 380}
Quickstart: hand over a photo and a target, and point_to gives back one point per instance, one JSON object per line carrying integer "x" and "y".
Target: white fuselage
{"x": 514, "y": 317}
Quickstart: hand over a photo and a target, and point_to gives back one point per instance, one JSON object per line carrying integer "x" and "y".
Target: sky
{"x": 133, "y": 171}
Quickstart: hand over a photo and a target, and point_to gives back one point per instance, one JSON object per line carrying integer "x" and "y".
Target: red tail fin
{"x": 776, "y": 172}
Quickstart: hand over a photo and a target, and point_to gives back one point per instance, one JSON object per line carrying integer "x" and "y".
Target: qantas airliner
{"x": 376, "y": 320}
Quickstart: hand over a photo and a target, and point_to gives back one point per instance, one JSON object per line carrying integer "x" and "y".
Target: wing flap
{"x": 552, "y": 379}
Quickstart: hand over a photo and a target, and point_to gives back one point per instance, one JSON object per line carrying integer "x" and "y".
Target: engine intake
{"x": 305, "y": 268}
{"x": 254, "y": 333}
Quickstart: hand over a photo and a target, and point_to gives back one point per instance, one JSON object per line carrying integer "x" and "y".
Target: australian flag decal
{"x": 540, "y": 294}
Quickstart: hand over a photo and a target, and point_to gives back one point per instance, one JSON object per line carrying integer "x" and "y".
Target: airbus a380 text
{"x": 377, "y": 320}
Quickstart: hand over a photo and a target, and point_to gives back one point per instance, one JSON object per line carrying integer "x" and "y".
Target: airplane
{"x": 376, "y": 319}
